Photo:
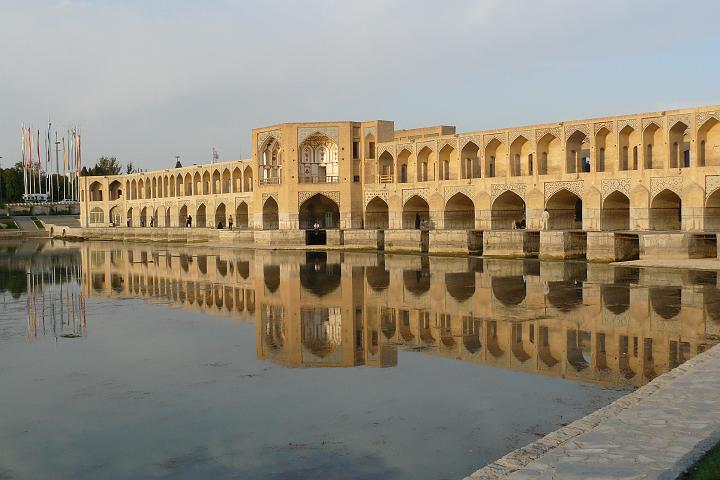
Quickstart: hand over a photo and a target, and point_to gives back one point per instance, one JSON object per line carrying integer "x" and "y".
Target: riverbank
{"x": 658, "y": 431}
{"x": 685, "y": 264}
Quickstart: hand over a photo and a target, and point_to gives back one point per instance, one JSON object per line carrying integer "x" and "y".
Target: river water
{"x": 144, "y": 361}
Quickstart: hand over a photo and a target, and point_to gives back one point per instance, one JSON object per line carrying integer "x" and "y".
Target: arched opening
{"x": 143, "y": 217}
{"x": 270, "y": 216}
{"x": 549, "y": 150}
{"x": 148, "y": 191}
{"x": 115, "y": 190}
{"x": 665, "y": 211}
{"x": 241, "y": 215}
{"x": 577, "y": 153}
{"x": 270, "y": 162}
{"x": 179, "y": 190}
{"x": 97, "y": 215}
{"x": 134, "y": 190}
{"x": 518, "y": 347}
{"x": 565, "y": 209}
{"x": 492, "y": 340}
{"x": 206, "y": 183}
{"x": 188, "y": 185}
{"x": 115, "y": 216}
{"x": 96, "y": 193}
{"x": 460, "y": 285}
{"x": 166, "y": 221}
{"x": 201, "y": 216}
{"x": 679, "y": 142}
{"x": 318, "y": 160}
{"x": 197, "y": 184}
{"x": 377, "y": 215}
{"x": 495, "y": 158}
{"x": 403, "y": 162}
{"x": 225, "y": 183}
{"x": 578, "y": 349}
{"x": 470, "y": 163}
{"x": 247, "y": 179}
{"x": 416, "y": 213}
{"x": 605, "y": 160}
{"x": 220, "y": 217}
{"x": 446, "y": 335}
{"x": 506, "y": 210}
{"x": 425, "y": 165}
{"x": 386, "y": 168}
{"x": 129, "y": 217}
{"x": 319, "y": 211}
{"x": 321, "y": 333}
{"x": 708, "y": 143}
{"x": 447, "y": 164}
{"x": 627, "y": 146}
{"x": 509, "y": 291}
{"x": 666, "y": 301}
{"x": 520, "y": 155}
{"x": 615, "y": 212}
{"x": 652, "y": 143}
{"x": 154, "y": 188}
{"x": 182, "y": 216}
{"x": 236, "y": 180}
{"x": 459, "y": 213}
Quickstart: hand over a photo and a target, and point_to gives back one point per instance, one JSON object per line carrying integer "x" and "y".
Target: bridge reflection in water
{"x": 590, "y": 322}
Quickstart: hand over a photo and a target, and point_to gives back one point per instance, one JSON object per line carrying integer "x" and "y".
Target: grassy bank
{"x": 708, "y": 468}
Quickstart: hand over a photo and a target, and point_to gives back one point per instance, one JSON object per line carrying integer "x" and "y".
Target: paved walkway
{"x": 25, "y": 223}
{"x": 656, "y": 432}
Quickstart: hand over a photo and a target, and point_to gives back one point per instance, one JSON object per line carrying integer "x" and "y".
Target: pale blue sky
{"x": 147, "y": 80}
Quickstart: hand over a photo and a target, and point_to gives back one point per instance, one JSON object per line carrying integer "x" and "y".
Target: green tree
{"x": 106, "y": 166}
{"x": 129, "y": 168}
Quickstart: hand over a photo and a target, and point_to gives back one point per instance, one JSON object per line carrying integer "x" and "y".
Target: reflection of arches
{"x": 425, "y": 329}
{"x": 460, "y": 285}
{"x": 387, "y": 322}
{"x": 320, "y": 210}
{"x": 666, "y": 301}
{"x": 565, "y": 296}
{"x": 377, "y": 277}
{"x": 506, "y": 209}
{"x": 665, "y": 211}
{"x": 415, "y": 209}
{"x": 565, "y": 210}
{"x": 544, "y": 351}
{"x": 321, "y": 330}
{"x": 459, "y": 213}
{"x": 492, "y": 341}
{"x": 508, "y": 290}
{"x": 518, "y": 348}
{"x": 471, "y": 334}
{"x": 417, "y": 281}
{"x": 711, "y": 302}
{"x": 376, "y": 214}
{"x": 270, "y": 214}
{"x": 405, "y": 331}
{"x": 271, "y": 277}
{"x": 319, "y": 277}
{"x": 616, "y": 298}
{"x": 578, "y": 349}
{"x": 615, "y": 212}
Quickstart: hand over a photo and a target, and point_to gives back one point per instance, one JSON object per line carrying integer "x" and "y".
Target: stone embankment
{"x": 655, "y": 432}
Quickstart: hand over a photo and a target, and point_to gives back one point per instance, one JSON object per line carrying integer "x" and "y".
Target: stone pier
{"x": 511, "y": 243}
{"x": 562, "y": 245}
{"x": 415, "y": 241}
{"x": 365, "y": 239}
{"x": 606, "y": 247}
{"x": 677, "y": 245}
{"x": 456, "y": 241}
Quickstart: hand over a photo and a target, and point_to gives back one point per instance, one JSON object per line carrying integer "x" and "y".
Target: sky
{"x": 147, "y": 80}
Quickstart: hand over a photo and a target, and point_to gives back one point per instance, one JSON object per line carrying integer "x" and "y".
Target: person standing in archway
{"x": 417, "y": 221}
{"x": 545, "y": 219}
{"x": 230, "y": 222}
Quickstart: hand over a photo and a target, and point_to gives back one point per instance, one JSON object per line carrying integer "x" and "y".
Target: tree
{"x": 178, "y": 164}
{"x": 106, "y": 166}
{"x": 129, "y": 168}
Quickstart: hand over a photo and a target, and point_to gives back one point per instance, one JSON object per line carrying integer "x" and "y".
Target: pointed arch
{"x": 549, "y": 152}
{"x": 425, "y": 165}
{"x": 403, "y": 162}
{"x": 577, "y": 150}
{"x": 605, "y": 159}
{"x": 565, "y": 209}
{"x": 654, "y": 157}
{"x": 386, "y": 168}
{"x": 459, "y": 213}
{"x": 470, "y": 160}
{"x": 201, "y": 216}
{"x": 708, "y": 143}
{"x": 448, "y": 163}
{"x": 416, "y": 213}
{"x": 665, "y": 211}
{"x": 220, "y": 216}
{"x": 521, "y": 161}
{"x": 319, "y": 210}
{"x": 247, "y": 179}
{"x": 495, "y": 158}
{"x": 270, "y": 215}
{"x": 507, "y": 209}
{"x": 377, "y": 214}
{"x": 237, "y": 180}
{"x": 615, "y": 212}
{"x": 241, "y": 215}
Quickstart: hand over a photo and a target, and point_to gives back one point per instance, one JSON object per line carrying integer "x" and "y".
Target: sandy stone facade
{"x": 647, "y": 172}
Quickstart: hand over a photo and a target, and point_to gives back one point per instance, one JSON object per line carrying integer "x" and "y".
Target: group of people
{"x": 220, "y": 225}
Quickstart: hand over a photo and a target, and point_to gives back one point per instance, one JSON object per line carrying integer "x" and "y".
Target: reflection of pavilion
{"x": 590, "y": 322}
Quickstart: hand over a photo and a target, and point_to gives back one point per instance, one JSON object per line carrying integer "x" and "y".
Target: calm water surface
{"x": 142, "y": 361}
